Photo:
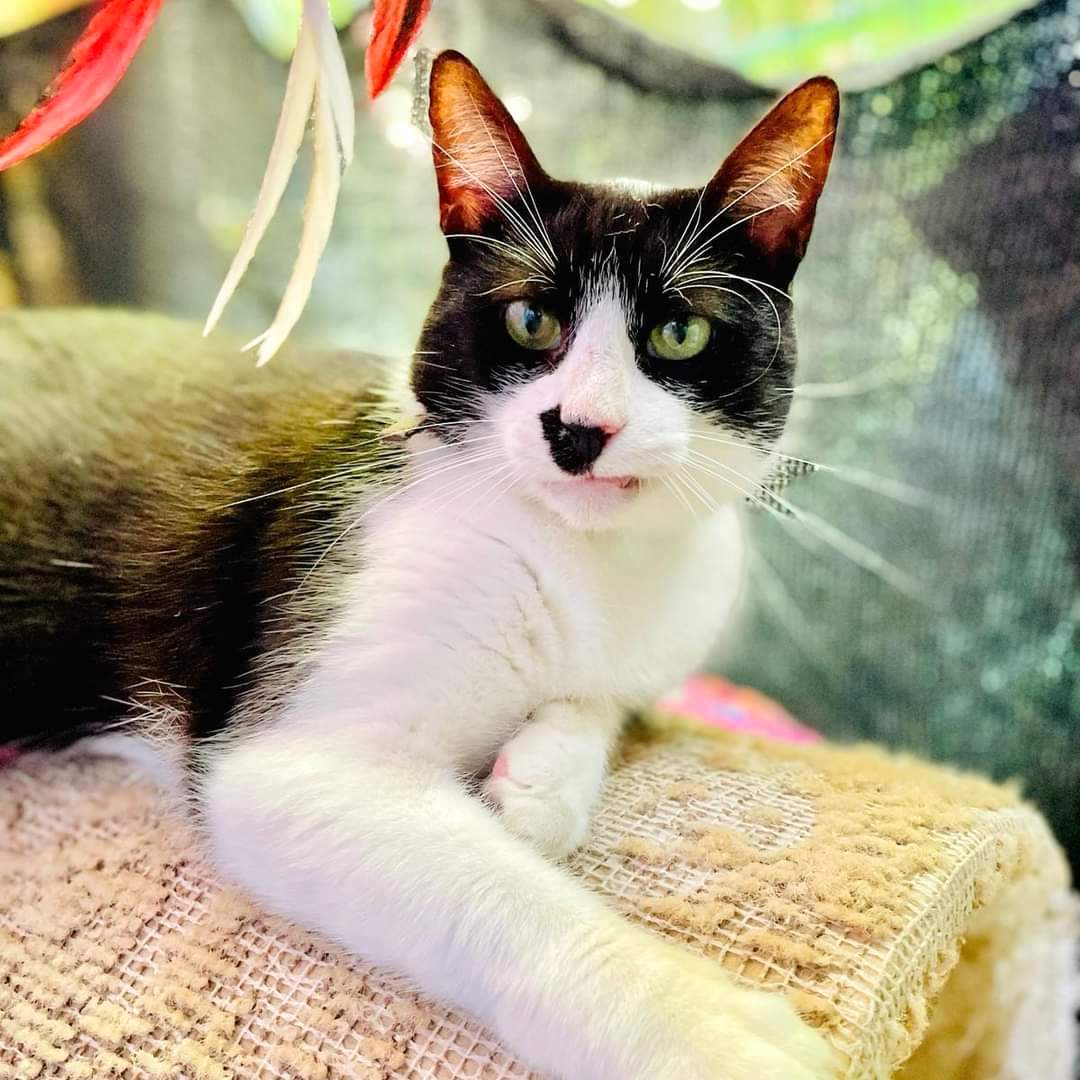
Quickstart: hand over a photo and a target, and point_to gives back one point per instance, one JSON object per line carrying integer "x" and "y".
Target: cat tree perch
{"x": 915, "y": 914}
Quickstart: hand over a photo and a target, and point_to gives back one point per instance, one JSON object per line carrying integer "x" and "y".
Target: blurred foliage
{"x": 275, "y": 22}
{"x": 16, "y": 15}
{"x": 775, "y": 41}
{"x": 770, "y": 40}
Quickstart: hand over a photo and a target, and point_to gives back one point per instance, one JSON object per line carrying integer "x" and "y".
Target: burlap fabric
{"x": 867, "y": 887}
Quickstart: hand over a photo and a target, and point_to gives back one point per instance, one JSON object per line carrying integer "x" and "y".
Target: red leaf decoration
{"x": 395, "y": 25}
{"x": 94, "y": 66}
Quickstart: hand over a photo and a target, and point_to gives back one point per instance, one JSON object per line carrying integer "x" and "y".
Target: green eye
{"x": 681, "y": 338}
{"x": 531, "y": 326}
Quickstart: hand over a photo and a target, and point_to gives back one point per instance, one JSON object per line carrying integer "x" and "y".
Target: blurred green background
{"x": 779, "y": 41}
{"x": 939, "y": 306}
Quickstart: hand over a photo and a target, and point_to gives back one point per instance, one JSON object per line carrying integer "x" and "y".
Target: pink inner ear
{"x": 777, "y": 180}
{"x": 480, "y": 154}
{"x": 776, "y": 196}
{"x": 479, "y": 164}
{"x": 466, "y": 209}
{"x": 773, "y": 178}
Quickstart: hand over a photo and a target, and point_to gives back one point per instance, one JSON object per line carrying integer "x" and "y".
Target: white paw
{"x": 646, "y": 1009}
{"x": 706, "y": 1027}
{"x": 775, "y": 1045}
{"x": 544, "y": 784}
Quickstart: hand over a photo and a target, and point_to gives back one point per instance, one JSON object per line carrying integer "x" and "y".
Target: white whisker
{"x": 676, "y": 251}
{"x": 508, "y": 284}
{"x": 530, "y": 204}
{"x": 886, "y": 486}
{"x": 675, "y": 486}
{"x": 705, "y": 275}
{"x": 714, "y": 288}
{"x": 835, "y": 538}
{"x": 394, "y": 494}
{"x": 875, "y": 379}
{"x": 525, "y": 234}
{"x": 749, "y": 191}
{"x": 789, "y": 615}
{"x": 516, "y": 252}
{"x": 704, "y": 245}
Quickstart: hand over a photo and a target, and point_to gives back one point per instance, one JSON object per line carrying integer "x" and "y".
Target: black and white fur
{"x": 204, "y": 568}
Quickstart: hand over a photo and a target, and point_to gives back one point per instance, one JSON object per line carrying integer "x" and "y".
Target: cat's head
{"x": 622, "y": 355}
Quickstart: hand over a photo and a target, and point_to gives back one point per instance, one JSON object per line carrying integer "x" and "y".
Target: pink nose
{"x": 608, "y": 427}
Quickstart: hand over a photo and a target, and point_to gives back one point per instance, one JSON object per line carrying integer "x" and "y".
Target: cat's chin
{"x": 587, "y": 502}
{"x": 601, "y": 503}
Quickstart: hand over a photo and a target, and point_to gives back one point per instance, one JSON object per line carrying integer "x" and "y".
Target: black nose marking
{"x": 574, "y": 447}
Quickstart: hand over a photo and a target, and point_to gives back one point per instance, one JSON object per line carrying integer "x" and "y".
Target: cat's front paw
{"x": 727, "y": 1050}
{"x": 706, "y": 1027}
{"x": 773, "y": 1041}
{"x": 643, "y": 1008}
{"x": 546, "y": 780}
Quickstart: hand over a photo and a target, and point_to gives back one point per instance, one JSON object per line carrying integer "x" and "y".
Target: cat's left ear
{"x": 481, "y": 157}
{"x": 773, "y": 178}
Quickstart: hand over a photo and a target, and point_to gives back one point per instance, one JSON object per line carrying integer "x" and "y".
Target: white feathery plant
{"x": 318, "y": 86}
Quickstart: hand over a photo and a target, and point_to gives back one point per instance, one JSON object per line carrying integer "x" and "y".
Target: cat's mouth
{"x": 588, "y": 480}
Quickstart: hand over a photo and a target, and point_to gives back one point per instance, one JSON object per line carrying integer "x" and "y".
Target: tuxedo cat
{"x": 384, "y": 649}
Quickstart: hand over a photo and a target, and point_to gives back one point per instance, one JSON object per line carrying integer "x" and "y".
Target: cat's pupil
{"x": 678, "y": 330}
{"x": 532, "y": 320}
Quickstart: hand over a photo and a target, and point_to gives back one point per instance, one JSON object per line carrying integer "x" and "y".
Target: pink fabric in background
{"x": 714, "y": 700}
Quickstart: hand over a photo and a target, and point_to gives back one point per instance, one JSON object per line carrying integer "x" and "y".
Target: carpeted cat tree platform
{"x": 920, "y": 917}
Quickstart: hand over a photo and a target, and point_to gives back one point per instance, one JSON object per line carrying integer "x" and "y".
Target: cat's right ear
{"x": 772, "y": 180}
{"x": 482, "y": 160}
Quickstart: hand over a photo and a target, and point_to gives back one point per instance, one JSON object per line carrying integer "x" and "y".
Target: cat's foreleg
{"x": 547, "y": 778}
{"x": 397, "y": 862}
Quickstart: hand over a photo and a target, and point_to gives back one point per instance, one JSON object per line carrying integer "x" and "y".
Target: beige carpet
{"x": 866, "y": 887}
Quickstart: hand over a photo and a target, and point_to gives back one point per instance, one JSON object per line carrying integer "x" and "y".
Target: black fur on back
{"x": 160, "y": 501}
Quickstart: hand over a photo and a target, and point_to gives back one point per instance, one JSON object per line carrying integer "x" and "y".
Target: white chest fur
{"x": 461, "y": 620}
